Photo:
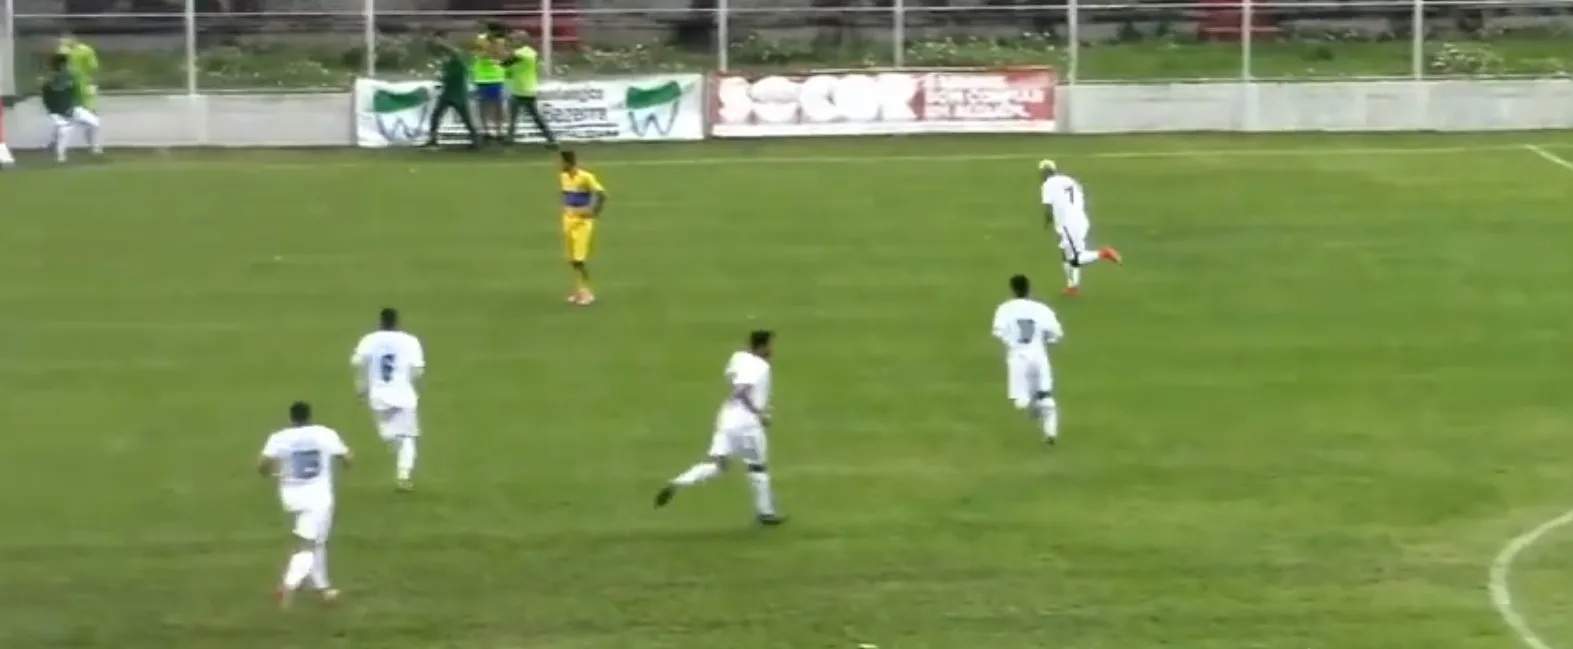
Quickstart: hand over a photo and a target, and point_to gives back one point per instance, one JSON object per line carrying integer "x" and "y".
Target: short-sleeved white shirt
{"x": 391, "y": 360}
{"x": 1065, "y": 196}
{"x": 748, "y": 373}
{"x": 305, "y": 457}
{"x": 1026, "y": 326}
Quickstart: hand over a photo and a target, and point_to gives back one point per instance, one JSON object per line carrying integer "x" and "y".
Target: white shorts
{"x": 396, "y": 423}
{"x": 746, "y": 443}
{"x": 1026, "y": 377}
{"x": 312, "y": 523}
{"x": 1073, "y": 238}
{"x": 79, "y": 116}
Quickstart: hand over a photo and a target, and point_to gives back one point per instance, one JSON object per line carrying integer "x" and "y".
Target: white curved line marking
{"x": 1502, "y": 571}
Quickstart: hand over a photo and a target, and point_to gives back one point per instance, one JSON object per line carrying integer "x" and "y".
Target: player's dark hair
{"x": 495, "y": 28}
{"x": 59, "y": 61}
{"x": 570, "y": 158}
{"x": 389, "y": 318}
{"x": 300, "y": 413}
{"x": 759, "y": 338}
{"x": 1019, "y": 285}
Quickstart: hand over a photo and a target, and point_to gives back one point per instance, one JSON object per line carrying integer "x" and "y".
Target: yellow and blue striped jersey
{"x": 579, "y": 190}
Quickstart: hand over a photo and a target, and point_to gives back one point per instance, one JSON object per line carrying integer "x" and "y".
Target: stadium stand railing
{"x": 207, "y": 46}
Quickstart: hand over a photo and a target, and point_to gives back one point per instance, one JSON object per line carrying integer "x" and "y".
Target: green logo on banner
{"x": 653, "y": 111}
{"x": 402, "y": 116}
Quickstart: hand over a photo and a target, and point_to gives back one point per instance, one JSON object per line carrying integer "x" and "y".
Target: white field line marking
{"x": 1549, "y": 156}
{"x": 1500, "y": 586}
{"x": 212, "y": 165}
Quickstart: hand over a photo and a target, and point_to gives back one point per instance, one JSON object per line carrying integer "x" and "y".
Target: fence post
{"x": 8, "y": 49}
{"x": 723, "y": 33}
{"x": 1417, "y": 44}
{"x": 1247, "y": 23}
{"x": 191, "y": 47}
{"x": 1073, "y": 34}
{"x": 898, "y": 34}
{"x": 548, "y": 36}
{"x": 369, "y": 34}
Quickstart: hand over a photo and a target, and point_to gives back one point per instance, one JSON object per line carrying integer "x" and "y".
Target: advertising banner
{"x": 883, "y": 102}
{"x": 624, "y": 109}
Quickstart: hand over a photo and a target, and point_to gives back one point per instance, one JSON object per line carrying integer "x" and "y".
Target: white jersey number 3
{"x": 304, "y": 465}
{"x": 1026, "y": 330}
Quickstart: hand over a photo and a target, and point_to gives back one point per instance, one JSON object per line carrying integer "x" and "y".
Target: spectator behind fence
{"x": 83, "y": 62}
{"x": 488, "y": 75}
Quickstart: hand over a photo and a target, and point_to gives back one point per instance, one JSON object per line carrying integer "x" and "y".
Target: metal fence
{"x": 204, "y": 46}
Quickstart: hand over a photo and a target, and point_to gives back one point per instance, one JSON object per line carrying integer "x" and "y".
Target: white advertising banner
{"x": 884, "y": 102}
{"x": 624, "y": 109}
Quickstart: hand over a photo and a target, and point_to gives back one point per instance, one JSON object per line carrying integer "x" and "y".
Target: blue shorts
{"x": 490, "y": 91}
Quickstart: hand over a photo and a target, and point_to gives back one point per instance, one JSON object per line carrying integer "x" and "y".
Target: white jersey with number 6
{"x": 1026, "y": 327}
{"x": 391, "y": 361}
{"x": 1064, "y": 196}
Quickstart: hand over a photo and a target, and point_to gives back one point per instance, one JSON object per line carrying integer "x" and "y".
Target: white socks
{"x": 300, "y": 565}
{"x": 319, "y": 568}
{"x": 758, "y": 484}
{"x": 5, "y": 156}
{"x": 404, "y": 458}
{"x": 1073, "y": 271}
{"x": 62, "y": 140}
{"x": 764, "y": 500}
{"x": 1047, "y": 412}
{"x": 696, "y": 474}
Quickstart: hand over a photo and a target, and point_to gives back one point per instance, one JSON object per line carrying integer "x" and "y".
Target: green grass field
{"x": 1329, "y": 383}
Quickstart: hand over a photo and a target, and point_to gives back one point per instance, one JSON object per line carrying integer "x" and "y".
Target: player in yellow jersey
{"x": 583, "y": 199}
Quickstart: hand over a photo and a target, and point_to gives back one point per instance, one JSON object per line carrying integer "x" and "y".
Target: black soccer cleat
{"x": 771, "y": 520}
{"x": 665, "y": 495}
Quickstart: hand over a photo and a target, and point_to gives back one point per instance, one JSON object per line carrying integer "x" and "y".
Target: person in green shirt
{"x": 524, "y": 77}
{"x": 486, "y": 70}
{"x": 84, "y": 66}
{"x": 453, "y": 93}
{"x": 63, "y": 101}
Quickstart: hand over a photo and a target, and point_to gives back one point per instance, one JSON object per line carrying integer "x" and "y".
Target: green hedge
{"x": 1302, "y": 55}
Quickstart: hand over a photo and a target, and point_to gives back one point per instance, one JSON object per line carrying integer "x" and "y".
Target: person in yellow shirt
{"x": 489, "y": 77}
{"x": 583, "y": 200}
{"x": 83, "y": 65}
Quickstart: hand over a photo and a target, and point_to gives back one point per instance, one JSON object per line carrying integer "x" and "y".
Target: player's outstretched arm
{"x": 358, "y": 367}
{"x": 266, "y": 467}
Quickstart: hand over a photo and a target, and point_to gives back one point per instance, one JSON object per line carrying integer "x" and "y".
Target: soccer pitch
{"x": 1329, "y": 383}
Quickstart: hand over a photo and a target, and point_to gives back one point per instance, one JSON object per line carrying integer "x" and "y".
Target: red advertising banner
{"x": 883, "y": 102}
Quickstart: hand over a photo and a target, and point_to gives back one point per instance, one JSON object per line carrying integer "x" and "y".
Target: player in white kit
{"x": 387, "y": 363}
{"x": 1065, "y": 210}
{"x": 303, "y": 458}
{"x": 740, "y": 430}
{"x": 1027, "y": 327}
